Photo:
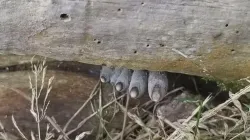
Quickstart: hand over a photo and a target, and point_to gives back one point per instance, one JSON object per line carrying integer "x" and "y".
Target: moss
{"x": 233, "y": 86}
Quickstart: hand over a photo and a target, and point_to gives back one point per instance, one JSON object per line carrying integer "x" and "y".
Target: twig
{"x": 198, "y": 118}
{"x": 214, "y": 111}
{"x": 125, "y": 116}
{"x": 92, "y": 115}
{"x": 101, "y": 125}
{"x": 58, "y": 129}
{"x": 172, "y": 92}
{"x": 165, "y": 97}
{"x": 115, "y": 106}
{"x": 137, "y": 120}
{"x": 143, "y": 137}
{"x": 180, "y": 53}
{"x": 195, "y": 85}
{"x": 82, "y": 135}
{"x": 240, "y": 133}
{"x": 168, "y": 122}
{"x": 168, "y": 94}
{"x": 236, "y": 96}
{"x": 15, "y": 124}
{"x": 93, "y": 93}
{"x": 176, "y": 132}
{"x": 227, "y": 118}
{"x": 131, "y": 127}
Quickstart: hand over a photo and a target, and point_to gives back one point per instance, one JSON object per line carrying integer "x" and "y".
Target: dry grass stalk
{"x": 93, "y": 93}
{"x": 188, "y": 129}
{"x": 125, "y": 116}
{"x": 39, "y": 113}
{"x": 92, "y": 115}
{"x": 214, "y": 112}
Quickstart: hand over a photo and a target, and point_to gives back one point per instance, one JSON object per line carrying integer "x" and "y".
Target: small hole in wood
{"x": 64, "y": 16}
{"x": 226, "y": 25}
{"x": 119, "y": 10}
{"x": 232, "y": 51}
{"x": 135, "y": 51}
{"x": 147, "y": 45}
{"x": 237, "y": 32}
{"x": 99, "y": 42}
{"x": 161, "y": 45}
{"x": 142, "y": 3}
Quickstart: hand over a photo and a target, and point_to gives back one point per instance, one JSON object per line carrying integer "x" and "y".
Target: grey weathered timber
{"x": 199, "y": 37}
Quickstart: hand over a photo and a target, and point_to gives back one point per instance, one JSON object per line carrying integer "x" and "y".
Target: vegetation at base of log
{"x": 229, "y": 120}
{"x": 232, "y": 86}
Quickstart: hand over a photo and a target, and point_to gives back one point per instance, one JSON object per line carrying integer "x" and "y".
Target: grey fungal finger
{"x": 157, "y": 85}
{"x": 138, "y": 84}
{"x": 122, "y": 82}
{"x": 106, "y": 74}
{"x": 116, "y": 74}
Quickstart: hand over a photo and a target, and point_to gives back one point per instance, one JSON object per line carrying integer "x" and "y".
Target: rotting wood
{"x": 206, "y": 38}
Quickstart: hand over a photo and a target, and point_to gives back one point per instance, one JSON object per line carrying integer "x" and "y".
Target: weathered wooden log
{"x": 207, "y": 38}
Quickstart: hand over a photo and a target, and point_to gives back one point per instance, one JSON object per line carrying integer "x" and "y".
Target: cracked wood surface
{"x": 206, "y": 38}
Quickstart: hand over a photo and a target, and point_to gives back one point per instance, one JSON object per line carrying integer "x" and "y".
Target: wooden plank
{"x": 205, "y": 37}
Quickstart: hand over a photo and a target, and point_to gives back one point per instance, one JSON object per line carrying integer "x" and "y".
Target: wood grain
{"x": 205, "y": 37}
